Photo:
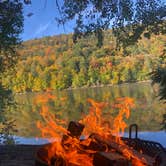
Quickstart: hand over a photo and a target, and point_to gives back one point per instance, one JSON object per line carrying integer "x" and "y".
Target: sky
{"x": 42, "y": 22}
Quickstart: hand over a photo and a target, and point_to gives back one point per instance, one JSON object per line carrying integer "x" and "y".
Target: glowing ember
{"x": 69, "y": 149}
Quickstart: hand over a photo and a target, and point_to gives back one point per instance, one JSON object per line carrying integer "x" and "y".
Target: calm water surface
{"x": 70, "y": 104}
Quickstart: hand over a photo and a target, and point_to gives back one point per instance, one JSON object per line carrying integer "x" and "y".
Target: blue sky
{"x": 42, "y": 22}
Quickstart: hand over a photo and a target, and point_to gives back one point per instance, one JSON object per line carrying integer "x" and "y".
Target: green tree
{"x": 11, "y": 25}
{"x": 79, "y": 80}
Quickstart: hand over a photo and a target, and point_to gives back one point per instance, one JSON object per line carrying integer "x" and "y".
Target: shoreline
{"x": 84, "y": 87}
{"x": 108, "y": 85}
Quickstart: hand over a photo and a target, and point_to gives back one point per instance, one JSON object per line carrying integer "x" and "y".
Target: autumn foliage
{"x": 57, "y": 63}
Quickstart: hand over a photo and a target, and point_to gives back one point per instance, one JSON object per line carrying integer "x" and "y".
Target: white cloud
{"x": 42, "y": 28}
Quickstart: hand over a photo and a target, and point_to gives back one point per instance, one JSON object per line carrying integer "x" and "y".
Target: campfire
{"x": 95, "y": 140}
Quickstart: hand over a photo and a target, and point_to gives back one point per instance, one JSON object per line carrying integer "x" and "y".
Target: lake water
{"x": 71, "y": 104}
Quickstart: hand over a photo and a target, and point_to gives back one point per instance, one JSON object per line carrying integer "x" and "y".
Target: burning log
{"x": 125, "y": 150}
{"x": 75, "y": 130}
{"x": 109, "y": 159}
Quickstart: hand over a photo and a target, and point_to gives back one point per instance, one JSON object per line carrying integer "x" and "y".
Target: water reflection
{"x": 70, "y": 104}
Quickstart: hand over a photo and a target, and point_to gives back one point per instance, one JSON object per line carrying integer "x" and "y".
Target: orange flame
{"x": 72, "y": 151}
{"x": 55, "y": 128}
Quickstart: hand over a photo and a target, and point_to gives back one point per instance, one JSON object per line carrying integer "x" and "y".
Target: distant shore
{"x": 85, "y": 87}
{"x": 108, "y": 85}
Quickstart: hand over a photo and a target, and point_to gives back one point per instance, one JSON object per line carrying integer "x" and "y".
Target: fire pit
{"x": 104, "y": 144}
{"x": 108, "y": 153}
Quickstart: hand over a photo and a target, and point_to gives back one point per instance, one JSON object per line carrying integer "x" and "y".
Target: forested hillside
{"x": 57, "y": 63}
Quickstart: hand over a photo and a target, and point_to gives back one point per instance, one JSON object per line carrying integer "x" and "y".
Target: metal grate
{"x": 150, "y": 148}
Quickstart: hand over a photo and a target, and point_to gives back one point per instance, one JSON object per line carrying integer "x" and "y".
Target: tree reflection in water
{"x": 70, "y": 104}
